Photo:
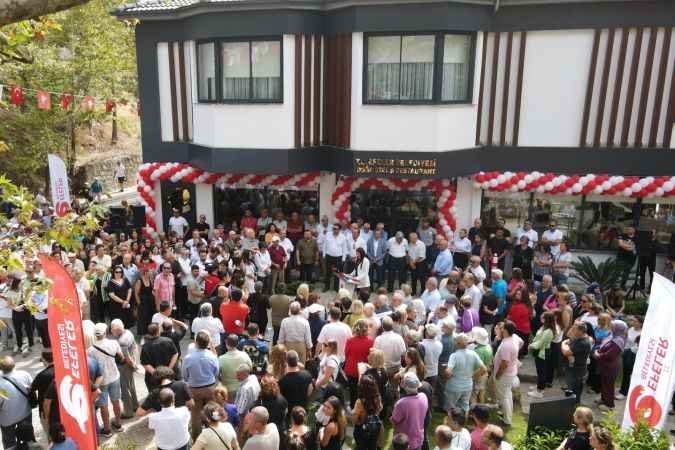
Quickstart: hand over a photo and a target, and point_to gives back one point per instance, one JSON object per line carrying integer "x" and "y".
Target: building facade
{"x": 548, "y": 109}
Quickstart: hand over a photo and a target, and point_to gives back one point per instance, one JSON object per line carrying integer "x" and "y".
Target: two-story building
{"x": 388, "y": 109}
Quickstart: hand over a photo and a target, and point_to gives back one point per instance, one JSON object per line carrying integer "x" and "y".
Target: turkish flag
{"x": 66, "y": 100}
{"x": 44, "y": 100}
{"x": 88, "y": 103}
{"x": 71, "y": 373}
{"x": 109, "y": 105}
{"x": 16, "y": 95}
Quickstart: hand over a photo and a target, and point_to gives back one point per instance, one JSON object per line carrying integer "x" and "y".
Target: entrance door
{"x": 180, "y": 196}
{"x": 398, "y": 210}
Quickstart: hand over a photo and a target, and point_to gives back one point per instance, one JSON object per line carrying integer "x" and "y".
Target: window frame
{"x": 218, "y": 50}
{"x": 437, "y": 84}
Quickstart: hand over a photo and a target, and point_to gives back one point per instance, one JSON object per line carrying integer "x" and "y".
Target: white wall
{"x": 164, "y": 91}
{"x": 409, "y": 127}
{"x": 204, "y": 201}
{"x": 554, "y": 87}
{"x": 327, "y": 183}
{"x": 249, "y": 125}
{"x": 467, "y": 203}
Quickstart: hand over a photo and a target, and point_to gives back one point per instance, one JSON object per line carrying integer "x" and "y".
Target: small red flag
{"x": 44, "y": 100}
{"x": 66, "y": 100}
{"x": 16, "y": 95}
{"x": 88, "y": 103}
{"x": 109, "y": 105}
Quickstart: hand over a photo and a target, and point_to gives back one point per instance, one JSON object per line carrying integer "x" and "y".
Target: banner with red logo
{"x": 59, "y": 183}
{"x": 653, "y": 379}
{"x": 70, "y": 357}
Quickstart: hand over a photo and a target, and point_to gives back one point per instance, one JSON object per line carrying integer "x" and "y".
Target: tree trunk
{"x": 16, "y": 10}
{"x": 72, "y": 156}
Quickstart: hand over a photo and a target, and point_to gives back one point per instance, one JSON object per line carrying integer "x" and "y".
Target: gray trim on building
{"x": 453, "y": 163}
{"x": 210, "y": 19}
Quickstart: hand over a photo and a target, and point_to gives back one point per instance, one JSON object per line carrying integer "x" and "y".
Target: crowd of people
{"x": 415, "y": 325}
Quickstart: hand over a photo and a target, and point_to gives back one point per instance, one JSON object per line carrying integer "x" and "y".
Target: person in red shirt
{"x": 357, "y": 349}
{"x": 212, "y": 279}
{"x": 521, "y": 315}
{"x": 234, "y": 314}
{"x": 295, "y": 227}
{"x": 248, "y": 221}
{"x": 278, "y": 257}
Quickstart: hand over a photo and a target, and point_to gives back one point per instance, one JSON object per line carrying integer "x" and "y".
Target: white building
{"x": 572, "y": 103}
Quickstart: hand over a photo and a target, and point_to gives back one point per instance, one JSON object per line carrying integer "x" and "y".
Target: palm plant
{"x": 607, "y": 273}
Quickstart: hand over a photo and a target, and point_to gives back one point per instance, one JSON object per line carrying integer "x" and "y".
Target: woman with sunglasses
{"x": 119, "y": 291}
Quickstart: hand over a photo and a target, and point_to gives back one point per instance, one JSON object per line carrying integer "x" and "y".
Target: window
{"x": 207, "y": 72}
{"x": 250, "y": 71}
{"x": 456, "y": 60}
{"x": 423, "y": 68}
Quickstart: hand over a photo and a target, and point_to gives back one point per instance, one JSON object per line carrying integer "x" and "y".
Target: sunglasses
{"x": 118, "y": 271}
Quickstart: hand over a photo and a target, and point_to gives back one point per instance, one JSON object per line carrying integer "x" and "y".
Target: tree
{"x": 87, "y": 51}
{"x": 17, "y": 10}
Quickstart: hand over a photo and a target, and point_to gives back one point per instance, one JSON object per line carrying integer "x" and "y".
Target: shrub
{"x": 640, "y": 437}
{"x": 540, "y": 439}
{"x": 637, "y": 307}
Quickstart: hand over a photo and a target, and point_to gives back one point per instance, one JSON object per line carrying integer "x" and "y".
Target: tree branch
{"x": 16, "y": 10}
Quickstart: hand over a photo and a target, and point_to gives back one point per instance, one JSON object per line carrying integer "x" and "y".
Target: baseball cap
{"x": 411, "y": 382}
{"x": 100, "y": 329}
{"x": 480, "y": 336}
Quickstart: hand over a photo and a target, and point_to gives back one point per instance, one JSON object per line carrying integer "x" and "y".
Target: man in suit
{"x": 377, "y": 250}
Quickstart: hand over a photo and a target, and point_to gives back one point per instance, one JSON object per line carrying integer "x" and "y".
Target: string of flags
{"x": 17, "y": 97}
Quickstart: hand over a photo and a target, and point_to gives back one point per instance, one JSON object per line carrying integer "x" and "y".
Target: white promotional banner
{"x": 653, "y": 379}
{"x": 59, "y": 184}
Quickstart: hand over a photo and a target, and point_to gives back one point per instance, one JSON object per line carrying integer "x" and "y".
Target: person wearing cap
{"x": 128, "y": 387}
{"x": 397, "y": 248}
{"x": 105, "y": 351}
{"x": 410, "y": 411}
{"x": 464, "y": 366}
{"x": 483, "y": 349}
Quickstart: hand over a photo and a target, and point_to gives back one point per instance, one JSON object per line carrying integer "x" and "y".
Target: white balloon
{"x": 501, "y": 179}
{"x": 643, "y": 182}
{"x": 508, "y": 174}
{"x": 568, "y": 191}
{"x": 627, "y": 192}
{"x": 548, "y": 186}
{"x": 668, "y": 186}
{"x": 557, "y": 181}
{"x": 577, "y": 187}
{"x": 619, "y": 179}
{"x": 597, "y": 190}
{"x": 659, "y": 192}
{"x": 513, "y": 188}
{"x": 442, "y": 221}
{"x": 521, "y": 184}
{"x": 541, "y": 189}
{"x": 528, "y": 178}
{"x": 636, "y": 187}
{"x": 453, "y": 210}
{"x": 493, "y": 182}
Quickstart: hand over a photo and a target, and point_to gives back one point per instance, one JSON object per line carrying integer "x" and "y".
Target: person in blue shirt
{"x": 200, "y": 372}
{"x": 499, "y": 289}
{"x": 444, "y": 262}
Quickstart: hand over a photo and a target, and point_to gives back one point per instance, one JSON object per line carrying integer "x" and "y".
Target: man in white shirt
{"x": 335, "y": 250}
{"x": 335, "y": 331}
{"x": 295, "y": 332}
{"x": 104, "y": 351}
{"x": 101, "y": 258}
{"x": 366, "y": 233}
{"x": 462, "y": 249}
{"x": 472, "y": 290}
{"x": 249, "y": 389}
{"x": 417, "y": 255}
{"x": 208, "y": 323}
{"x": 398, "y": 251}
{"x": 264, "y": 436}
{"x": 170, "y": 424}
{"x": 553, "y": 237}
{"x": 528, "y": 231}
{"x": 194, "y": 242}
{"x": 431, "y": 296}
{"x": 178, "y": 224}
{"x": 391, "y": 344}
{"x": 477, "y": 270}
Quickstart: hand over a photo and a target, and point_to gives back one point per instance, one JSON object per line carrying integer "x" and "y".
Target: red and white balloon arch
{"x": 550, "y": 183}
{"x": 150, "y": 174}
{"x": 443, "y": 189}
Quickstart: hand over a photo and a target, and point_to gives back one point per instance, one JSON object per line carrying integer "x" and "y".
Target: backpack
{"x": 258, "y": 358}
{"x": 370, "y": 430}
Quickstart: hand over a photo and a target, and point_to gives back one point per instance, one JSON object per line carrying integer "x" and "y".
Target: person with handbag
{"x": 218, "y": 433}
{"x": 16, "y": 403}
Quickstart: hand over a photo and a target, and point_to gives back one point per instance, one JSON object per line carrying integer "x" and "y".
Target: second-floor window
{"x": 249, "y": 71}
{"x": 418, "y": 68}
